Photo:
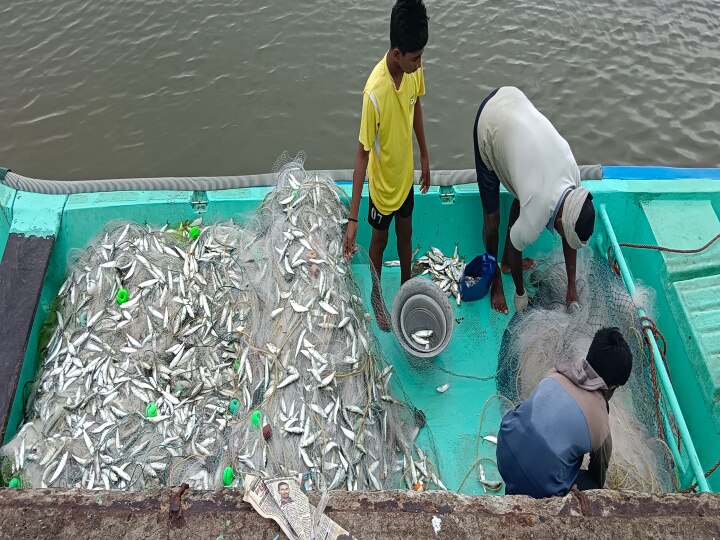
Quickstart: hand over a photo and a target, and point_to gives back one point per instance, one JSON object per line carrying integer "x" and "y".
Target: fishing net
{"x": 200, "y": 352}
{"x": 547, "y": 335}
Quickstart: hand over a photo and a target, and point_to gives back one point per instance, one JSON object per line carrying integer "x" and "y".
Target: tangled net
{"x": 201, "y": 352}
{"x": 547, "y": 335}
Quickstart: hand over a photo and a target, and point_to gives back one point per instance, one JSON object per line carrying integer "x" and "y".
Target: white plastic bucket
{"x": 422, "y": 305}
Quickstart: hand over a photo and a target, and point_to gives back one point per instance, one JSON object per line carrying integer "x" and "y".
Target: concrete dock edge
{"x": 389, "y": 515}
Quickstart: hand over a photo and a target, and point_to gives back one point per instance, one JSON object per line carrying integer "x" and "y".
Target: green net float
{"x": 151, "y": 410}
{"x": 228, "y": 476}
{"x": 122, "y": 296}
{"x": 193, "y": 232}
{"x": 15, "y": 482}
{"x": 256, "y": 418}
{"x": 237, "y": 365}
{"x": 234, "y": 406}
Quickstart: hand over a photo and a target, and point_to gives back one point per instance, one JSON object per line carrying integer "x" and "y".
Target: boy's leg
{"x": 528, "y": 262}
{"x": 403, "y": 231}
{"x": 378, "y": 241}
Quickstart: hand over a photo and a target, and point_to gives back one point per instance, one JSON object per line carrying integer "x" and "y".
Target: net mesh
{"x": 245, "y": 347}
{"x": 547, "y": 335}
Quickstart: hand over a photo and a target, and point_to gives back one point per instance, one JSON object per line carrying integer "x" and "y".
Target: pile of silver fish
{"x": 443, "y": 270}
{"x": 202, "y": 352}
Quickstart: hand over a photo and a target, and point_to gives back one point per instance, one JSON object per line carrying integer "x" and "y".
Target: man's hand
{"x": 349, "y": 247}
{"x": 572, "y": 302}
{"x": 521, "y": 302}
{"x": 425, "y": 174}
{"x": 571, "y": 297}
{"x": 361, "y": 161}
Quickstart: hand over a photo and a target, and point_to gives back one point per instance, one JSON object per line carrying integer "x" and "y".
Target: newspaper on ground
{"x": 282, "y": 500}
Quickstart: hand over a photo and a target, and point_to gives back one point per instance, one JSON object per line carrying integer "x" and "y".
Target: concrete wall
{"x": 388, "y": 515}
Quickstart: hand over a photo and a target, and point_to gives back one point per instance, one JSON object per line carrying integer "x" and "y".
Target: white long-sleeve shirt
{"x": 529, "y": 156}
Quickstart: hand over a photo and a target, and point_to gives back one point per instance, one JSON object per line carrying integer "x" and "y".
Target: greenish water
{"x": 154, "y": 88}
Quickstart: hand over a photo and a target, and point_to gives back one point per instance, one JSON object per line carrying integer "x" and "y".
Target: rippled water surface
{"x": 100, "y": 88}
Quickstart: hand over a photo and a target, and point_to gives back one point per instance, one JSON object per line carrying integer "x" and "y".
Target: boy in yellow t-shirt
{"x": 390, "y": 113}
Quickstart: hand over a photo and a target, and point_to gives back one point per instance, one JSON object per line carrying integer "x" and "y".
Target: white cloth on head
{"x": 529, "y": 156}
{"x": 571, "y": 211}
{"x": 581, "y": 373}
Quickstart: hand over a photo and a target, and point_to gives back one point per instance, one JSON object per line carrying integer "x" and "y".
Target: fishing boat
{"x": 654, "y": 225}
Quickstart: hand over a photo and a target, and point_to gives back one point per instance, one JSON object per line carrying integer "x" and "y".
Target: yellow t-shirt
{"x": 386, "y": 128}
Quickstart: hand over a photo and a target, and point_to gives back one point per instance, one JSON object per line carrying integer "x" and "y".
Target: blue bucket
{"x": 477, "y": 277}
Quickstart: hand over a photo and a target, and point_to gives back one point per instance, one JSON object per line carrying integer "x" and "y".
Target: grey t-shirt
{"x": 542, "y": 442}
{"x": 531, "y": 159}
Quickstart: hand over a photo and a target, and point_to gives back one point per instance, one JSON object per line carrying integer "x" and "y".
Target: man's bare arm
{"x": 361, "y": 162}
{"x": 570, "y": 267}
{"x": 419, "y": 128}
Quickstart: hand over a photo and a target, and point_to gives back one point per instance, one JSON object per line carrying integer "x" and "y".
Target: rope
{"x": 669, "y": 250}
{"x": 656, "y": 394}
{"x": 478, "y": 438}
{"x": 708, "y": 473}
{"x": 466, "y": 376}
{"x": 614, "y": 266}
{"x": 649, "y": 324}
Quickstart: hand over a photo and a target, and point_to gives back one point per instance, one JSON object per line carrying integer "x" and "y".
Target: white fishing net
{"x": 241, "y": 347}
{"x": 547, "y": 335}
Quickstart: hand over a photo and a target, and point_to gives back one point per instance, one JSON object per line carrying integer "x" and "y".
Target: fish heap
{"x": 443, "y": 270}
{"x": 422, "y": 338}
{"x": 182, "y": 353}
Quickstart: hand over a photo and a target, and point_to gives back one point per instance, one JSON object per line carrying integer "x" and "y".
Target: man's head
{"x": 610, "y": 356}
{"x": 408, "y": 33}
{"x": 284, "y": 490}
{"x": 576, "y": 222}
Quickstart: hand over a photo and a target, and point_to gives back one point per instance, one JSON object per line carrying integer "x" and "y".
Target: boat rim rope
{"x": 648, "y": 323}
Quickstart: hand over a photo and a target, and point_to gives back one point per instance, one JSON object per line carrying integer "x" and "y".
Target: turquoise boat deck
{"x": 453, "y": 416}
{"x": 687, "y": 312}
{"x": 673, "y": 207}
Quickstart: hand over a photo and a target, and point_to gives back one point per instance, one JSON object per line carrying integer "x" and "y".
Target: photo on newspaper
{"x": 293, "y": 503}
{"x": 282, "y": 500}
{"x": 257, "y": 494}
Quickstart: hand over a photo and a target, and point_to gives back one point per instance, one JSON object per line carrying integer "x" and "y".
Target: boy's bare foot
{"x": 497, "y": 295}
{"x": 382, "y": 317}
{"x": 527, "y": 264}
